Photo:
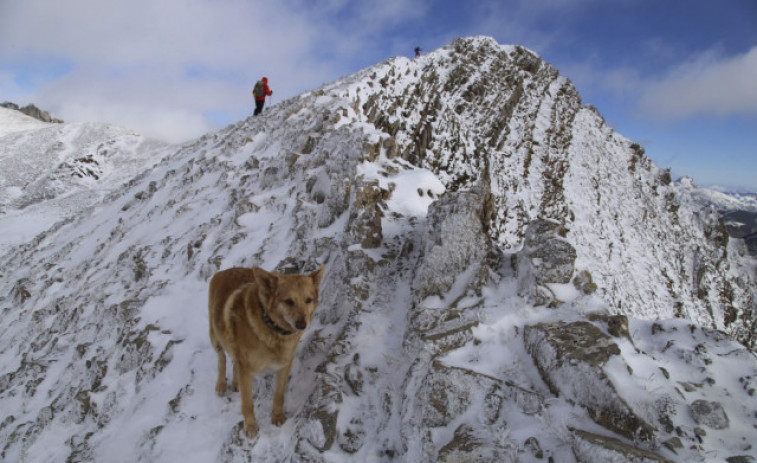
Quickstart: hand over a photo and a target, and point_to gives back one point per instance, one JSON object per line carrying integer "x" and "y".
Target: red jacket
{"x": 266, "y": 91}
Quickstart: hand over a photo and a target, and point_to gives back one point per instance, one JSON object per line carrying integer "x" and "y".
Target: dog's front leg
{"x": 277, "y": 416}
{"x": 245, "y": 375}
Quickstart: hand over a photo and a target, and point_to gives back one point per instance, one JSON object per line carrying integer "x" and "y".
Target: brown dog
{"x": 258, "y": 317}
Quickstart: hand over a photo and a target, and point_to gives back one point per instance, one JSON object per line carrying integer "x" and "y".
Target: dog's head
{"x": 290, "y": 300}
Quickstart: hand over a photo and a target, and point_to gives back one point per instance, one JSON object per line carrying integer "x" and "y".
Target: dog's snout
{"x": 301, "y": 324}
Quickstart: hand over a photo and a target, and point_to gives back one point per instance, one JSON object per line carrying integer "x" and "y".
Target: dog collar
{"x": 269, "y": 323}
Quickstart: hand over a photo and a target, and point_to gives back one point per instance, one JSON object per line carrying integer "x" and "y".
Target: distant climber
{"x": 259, "y": 92}
{"x": 417, "y": 51}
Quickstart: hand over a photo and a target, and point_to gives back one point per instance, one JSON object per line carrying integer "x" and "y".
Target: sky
{"x": 677, "y": 76}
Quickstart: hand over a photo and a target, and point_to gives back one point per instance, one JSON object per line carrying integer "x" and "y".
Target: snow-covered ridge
{"x": 476, "y": 112}
{"x": 416, "y": 182}
{"x": 14, "y": 121}
{"x": 50, "y": 172}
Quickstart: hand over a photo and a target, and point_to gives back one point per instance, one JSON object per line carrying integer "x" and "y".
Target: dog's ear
{"x": 317, "y": 276}
{"x": 266, "y": 281}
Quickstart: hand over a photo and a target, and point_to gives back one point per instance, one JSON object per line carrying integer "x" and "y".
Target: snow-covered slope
{"x": 472, "y": 216}
{"x": 14, "y": 121}
{"x": 50, "y": 172}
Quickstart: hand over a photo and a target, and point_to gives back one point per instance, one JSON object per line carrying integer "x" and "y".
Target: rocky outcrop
{"x": 32, "y": 111}
{"x": 456, "y": 241}
{"x": 546, "y": 257}
{"x": 571, "y": 358}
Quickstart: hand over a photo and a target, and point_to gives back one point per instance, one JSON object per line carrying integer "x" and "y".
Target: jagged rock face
{"x": 477, "y": 111}
{"x": 414, "y": 182}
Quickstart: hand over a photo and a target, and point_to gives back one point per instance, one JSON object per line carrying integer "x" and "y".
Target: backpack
{"x": 259, "y": 90}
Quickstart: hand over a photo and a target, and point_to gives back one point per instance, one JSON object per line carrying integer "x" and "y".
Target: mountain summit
{"x": 507, "y": 279}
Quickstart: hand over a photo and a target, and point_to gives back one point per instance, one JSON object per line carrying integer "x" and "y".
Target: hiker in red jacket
{"x": 259, "y": 92}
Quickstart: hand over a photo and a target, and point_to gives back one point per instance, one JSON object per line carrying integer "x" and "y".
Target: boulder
{"x": 546, "y": 257}
{"x": 710, "y": 414}
{"x": 570, "y": 358}
{"x": 455, "y": 241}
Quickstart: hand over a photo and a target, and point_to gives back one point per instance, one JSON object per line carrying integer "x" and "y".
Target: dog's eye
{"x": 308, "y": 300}
{"x": 289, "y": 302}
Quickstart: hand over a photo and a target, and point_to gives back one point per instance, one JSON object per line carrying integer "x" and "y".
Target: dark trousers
{"x": 258, "y": 107}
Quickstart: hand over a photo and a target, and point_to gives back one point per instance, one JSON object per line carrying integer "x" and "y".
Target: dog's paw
{"x": 221, "y": 388}
{"x": 278, "y": 418}
{"x": 251, "y": 428}
{"x": 234, "y": 386}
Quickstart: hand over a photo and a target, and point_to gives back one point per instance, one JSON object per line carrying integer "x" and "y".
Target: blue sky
{"x": 677, "y": 76}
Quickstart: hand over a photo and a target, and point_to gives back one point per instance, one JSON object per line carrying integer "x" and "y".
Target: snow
{"x": 412, "y": 189}
{"x": 50, "y": 172}
{"x": 104, "y": 286}
{"x": 12, "y": 121}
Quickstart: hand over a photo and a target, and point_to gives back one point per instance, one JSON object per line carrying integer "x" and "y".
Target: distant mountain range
{"x": 738, "y": 209}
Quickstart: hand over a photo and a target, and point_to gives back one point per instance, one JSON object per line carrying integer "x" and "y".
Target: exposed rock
{"x": 740, "y": 459}
{"x": 367, "y": 214}
{"x": 594, "y": 448}
{"x": 546, "y": 258}
{"x": 465, "y": 447}
{"x": 583, "y": 282}
{"x": 570, "y": 358}
{"x": 455, "y": 242}
{"x": 32, "y": 111}
{"x": 617, "y": 325}
{"x": 710, "y": 414}
{"x": 446, "y": 393}
{"x": 674, "y": 444}
{"x": 533, "y": 446}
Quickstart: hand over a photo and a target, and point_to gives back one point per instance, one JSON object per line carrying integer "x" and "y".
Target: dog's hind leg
{"x": 277, "y": 414}
{"x": 221, "y": 380}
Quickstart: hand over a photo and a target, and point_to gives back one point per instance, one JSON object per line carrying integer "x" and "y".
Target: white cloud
{"x": 156, "y": 104}
{"x": 707, "y": 85}
{"x": 150, "y": 32}
{"x": 170, "y": 60}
